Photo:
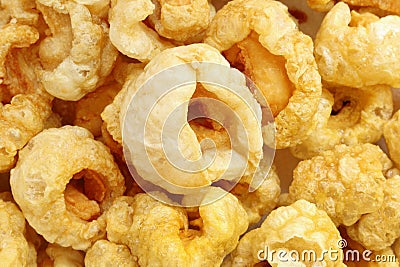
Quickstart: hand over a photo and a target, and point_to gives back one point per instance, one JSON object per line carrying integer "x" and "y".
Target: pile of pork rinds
{"x": 69, "y": 68}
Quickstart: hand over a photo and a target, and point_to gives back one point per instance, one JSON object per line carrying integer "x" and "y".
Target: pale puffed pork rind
{"x": 61, "y": 256}
{"x": 129, "y": 34}
{"x": 105, "y": 253}
{"x": 391, "y": 132}
{"x": 385, "y": 5}
{"x": 68, "y": 213}
{"x": 298, "y": 227}
{"x": 161, "y": 235}
{"x": 358, "y": 50}
{"x": 180, "y": 20}
{"x": 378, "y": 230}
{"x": 22, "y": 11}
{"x": 348, "y": 116}
{"x": 20, "y": 120}
{"x": 90, "y": 58}
{"x": 15, "y": 249}
{"x": 346, "y": 182}
{"x": 245, "y": 107}
{"x": 279, "y": 34}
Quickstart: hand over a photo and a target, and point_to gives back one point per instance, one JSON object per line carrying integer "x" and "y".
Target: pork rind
{"x": 264, "y": 199}
{"x": 391, "y": 133}
{"x": 161, "y": 235}
{"x": 129, "y": 34}
{"x": 90, "y": 58}
{"x": 20, "y": 11}
{"x": 378, "y": 230}
{"x": 14, "y": 36}
{"x": 298, "y": 227}
{"x": 348, "y": 116}
{"x": 20, "y": 120}
{"x": 283, "y": 47}
{"x": 344, "y": 39}
{"x": 89, "y": 108}
{"x": 65, "y": 194}
{"x": 181, "y": 20}
{"x": 346, "y": 182}
{"x": 385, "y": 5}
{"x": 61, "y": 256}
{"x": 105, "y": 253}
{"x": 15, "y": 249}
{"x": 244, "y": 107}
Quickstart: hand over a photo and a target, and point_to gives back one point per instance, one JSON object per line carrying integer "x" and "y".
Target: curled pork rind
{"x": 89, "y": 61}
{"x": 278, "y": 34}
{"x": 346, "y": 182}
{"x": 105, "y": 253}
{"x": 15, "y": 249}
{"x": 161, "y": 235}
{"x": 129, "y": 34}
{"x": 65, "y": 194}
{"x": 19, "y": 10}
{"x": 378, "y": 230}
{"x": 391, "y": 133}
{"x": 13, "y": 36}
{"x": 264, "y": 199}
{"x": 61, "y": 256}
{"x": 20, "y": 120}
{"x": 385, "y": 5}
{"x": 344, "y": 39}
{"x": 180, "y": 20}
{"x": 245, "y": 107}
{"x": 348, "y": 116}
{"x": 298, "y": 227}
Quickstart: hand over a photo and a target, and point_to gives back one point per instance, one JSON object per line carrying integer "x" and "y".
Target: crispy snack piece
{"x": 89, "y": 61}
{"x": 245, "y": 107}
{"x": 89, "y": 108}
{"x": 15, "y": 249}
{"x": 300, "y": 226}
{"x": 20, "y": 120}
{"x": 129, "y": 34}
{"x": 348, "y": 116}
{"x": 279, "y": 35}
{"x": 64, "y": 197}
{"x": 180, "y": 20}
{"x": 263, "y": 200}
{"x": 14, "y": 35}
{"x": 22, "y": 11}
{"x": 161, "y": 235}
{"x": 346, "y": 182}
{"x": 378, "y": 230}
{"x": 391, "y": 133}
{"x": 105, "y": 253}
{"x": 344, "y": 39}
{"x": 63, "y": 256}
{"x": 385, "y": 5}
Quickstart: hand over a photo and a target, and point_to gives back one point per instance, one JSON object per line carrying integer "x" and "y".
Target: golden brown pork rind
{"x": 161, "y": 235}
{"x": 20, "y": 120}
{"x": 348, "y": 116}
{"x": 89, "y": 61}
{"x": 105, "y": 253}
{"x": 245, "y": 107}
{"x": 279, "y": 34}
{"x": 21, "y": 11}
{"x": 343, "y": 40}
{"x": 346, "y": 182}
{"x": 378, "y": 230}
{"x": 391, "y": 133}
{"x": 64, "y": 182}
{"x": 385, "y": 5}
{"x": 15, "y": 249}
{"x": 300, "y": 226}
{"x": 64, "y": 256}
{"x": 129, "y": 34}
{"x": 181, "y": 20}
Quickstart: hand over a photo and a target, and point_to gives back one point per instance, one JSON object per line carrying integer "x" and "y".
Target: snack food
{"x": 385, "y": 5}
{"x": 390, "y": 132}
{"x": 104, "y": 253}
{"x": 64, "y": 197}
